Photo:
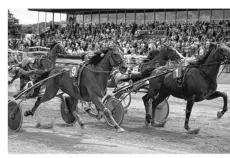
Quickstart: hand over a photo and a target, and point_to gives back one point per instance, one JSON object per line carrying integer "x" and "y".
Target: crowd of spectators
{"x": 189, "y": 39}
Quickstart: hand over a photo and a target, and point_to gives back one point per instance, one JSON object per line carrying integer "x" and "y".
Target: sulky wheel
{"x": 67, "y": 117}
{"x": 125, "y": 97}
{"x": 162, "y": 110}
{"x": 116, "y": 108}
{"x": 14, "y": 119}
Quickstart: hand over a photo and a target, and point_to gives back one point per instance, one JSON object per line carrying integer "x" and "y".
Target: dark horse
{"x": 154, "y": 59}
{"x": 43, "y": 64}
{"x": 93, "y": 82}
{"x": 198, "y": 83}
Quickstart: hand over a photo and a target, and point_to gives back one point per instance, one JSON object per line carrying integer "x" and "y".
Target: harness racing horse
{"x": 154, "y": 59}
{"x": 199, "y": 82}
{"x": 41, "y": 65}
{"x": 93, "y": 81}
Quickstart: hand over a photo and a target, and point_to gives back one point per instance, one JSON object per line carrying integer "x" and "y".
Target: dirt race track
{"x": 214, "y": 136}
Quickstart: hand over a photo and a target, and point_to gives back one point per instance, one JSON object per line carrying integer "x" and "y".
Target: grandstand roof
{"x": 107, "y": 10}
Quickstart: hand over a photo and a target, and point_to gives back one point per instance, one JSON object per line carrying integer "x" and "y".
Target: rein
{"x": 97, "y": 71}
{"x": 221, "y": 63}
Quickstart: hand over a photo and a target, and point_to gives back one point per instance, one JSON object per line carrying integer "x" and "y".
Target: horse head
{"x": 223, "y": 53}
{"x": 116, "y": 59}
{"x": 57, "y": 49}
{"x": 170, "y": 53}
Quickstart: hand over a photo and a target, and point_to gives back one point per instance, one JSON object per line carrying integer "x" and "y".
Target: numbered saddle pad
{"x": 74, "y": 71}
{"x": 116, "y": 108}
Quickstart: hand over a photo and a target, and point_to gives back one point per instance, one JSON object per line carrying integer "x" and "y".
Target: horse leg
{"x": 190, "y": 103}
{"x": 225, "y": 98}
{"x": 97, "y": 101}
{"x": 74, "y": 110}
{"x": 14, "y": 78}
{"x": 145, "y": 99}
{"x": 160, "y": 98}
{"x": 50, "y": 93}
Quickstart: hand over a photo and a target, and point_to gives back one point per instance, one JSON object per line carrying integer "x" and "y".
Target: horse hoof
{"x": 83, "y": 126}
{"x": 28, "y": 113}
{"x": 38, "y": 125}
{"x": 146, "y": 123}
{"x": 219, "y": 114}
{"x": 120, "y": 130}
{"x": 158, "y": 124}
{"x": 194, "y": 131}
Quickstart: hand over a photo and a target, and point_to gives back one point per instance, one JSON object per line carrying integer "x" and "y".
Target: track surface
{"x": 214, "y": 136}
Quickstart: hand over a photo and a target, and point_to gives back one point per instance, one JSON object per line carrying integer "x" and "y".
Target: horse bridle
{"x": 99, "y": 71}
{"x": 115, "y": 61}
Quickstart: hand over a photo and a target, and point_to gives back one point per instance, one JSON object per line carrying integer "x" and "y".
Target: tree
{"x": 14, "y": 29}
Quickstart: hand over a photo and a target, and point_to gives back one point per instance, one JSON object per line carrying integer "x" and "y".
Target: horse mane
{"x": 205, "y": 57}
{"x": 96, "y": 58}
{"x": 170, "y": 53}
{"x": 151, "y": 55}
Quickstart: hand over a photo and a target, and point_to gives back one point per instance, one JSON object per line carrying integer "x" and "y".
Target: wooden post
{"x": 198, "y": 14}
{"x": 154, "y": 16}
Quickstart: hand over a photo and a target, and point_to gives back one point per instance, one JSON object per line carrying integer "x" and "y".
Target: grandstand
{"x": 141, "y": 16}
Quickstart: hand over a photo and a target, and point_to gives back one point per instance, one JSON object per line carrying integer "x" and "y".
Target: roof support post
{"x": 83, "y": 18}
{"x": 99, "y": 17}
{"x": 175, "y": 16}
{"x": 210, "y": 15}
{"x": 45, "y": 21}
{"x": 38, "y": 25}
{"x": 223, "y": 14}
{"x": 91, "y": 18}
{"x": 144, "y": 17}
{"x": 186, "y": 15}
{"x": 135, "y": 15}
{"x": 165, "y": 15}
{"x": 125, "y": 16}
{"x": 116, "y": 17}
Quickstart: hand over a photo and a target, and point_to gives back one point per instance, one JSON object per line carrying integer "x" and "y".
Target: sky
{"x": 31, "y": 17}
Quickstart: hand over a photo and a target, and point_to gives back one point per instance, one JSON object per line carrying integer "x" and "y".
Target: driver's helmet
{"x": 52, "y": 43}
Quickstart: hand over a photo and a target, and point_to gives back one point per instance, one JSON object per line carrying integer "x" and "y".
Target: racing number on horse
{"x": 73, "y": 72}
